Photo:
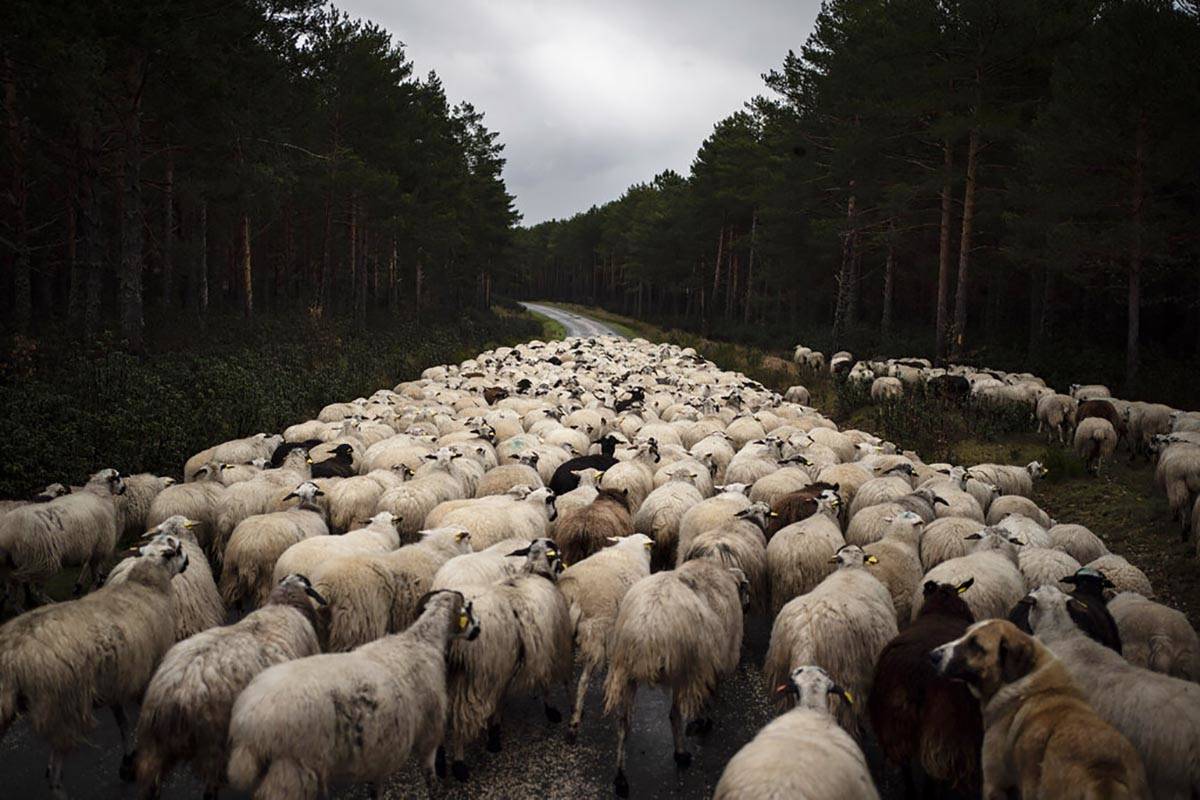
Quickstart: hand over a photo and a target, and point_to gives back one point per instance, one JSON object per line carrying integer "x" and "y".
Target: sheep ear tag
{"x": 462, "y": 622}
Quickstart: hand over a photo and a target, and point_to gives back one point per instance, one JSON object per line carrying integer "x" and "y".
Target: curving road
{"x": 576, "y": 324}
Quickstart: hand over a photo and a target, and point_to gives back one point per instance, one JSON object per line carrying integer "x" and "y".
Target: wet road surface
{"x": 576, "y": 324}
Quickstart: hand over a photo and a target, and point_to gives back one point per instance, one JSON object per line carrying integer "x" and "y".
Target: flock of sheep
{"x": 1097, "y": 422}
{"x": 406, "y": 562}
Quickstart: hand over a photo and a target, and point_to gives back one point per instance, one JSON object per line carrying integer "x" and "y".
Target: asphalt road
{"x": 576, "y": 324}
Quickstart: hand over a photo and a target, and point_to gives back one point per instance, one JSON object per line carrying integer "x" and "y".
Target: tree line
{"x": 985, "y": 174}
{"x": 166, "y": 159}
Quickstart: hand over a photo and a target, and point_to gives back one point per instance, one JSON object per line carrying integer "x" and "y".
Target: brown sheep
{"x": 1104, "y": 410}
{"x": 587, "y": 530}
{"x": 796, "y": 506}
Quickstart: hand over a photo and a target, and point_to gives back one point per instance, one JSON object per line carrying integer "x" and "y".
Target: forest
{"x": 1007, "y": 182}
{"x": 173, "y": 158}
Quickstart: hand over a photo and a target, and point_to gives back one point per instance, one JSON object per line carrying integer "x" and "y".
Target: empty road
{"x": 575, "y": 324}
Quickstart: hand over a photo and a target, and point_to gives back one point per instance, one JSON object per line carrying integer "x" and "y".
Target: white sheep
{"x": 1042, "y": 565}
{"x": 195, "y": 501}
{"x": 1125, "y": 577}
{"x": 593, "y": 589}
{"x": 258, "y": 542}
{"x": 946, "y": 538}
{"x": 494, "y": 519}
{"x": 799, "y": 555}
{"x": 842, "y": 625}
{"x": 998, "y": 583}
{"x": 635, "y": 474}
{"x": 898, "y": 561}
{"x": 1082, "y": 545}
{"x": 1095, "y": 440}
{"x": 236, "y": 451}
{"x": 500, "y": 479}
{"x": 1004, "y": 505}
{"x": 359, "y": 715}
{"x": 60, "y": 662}
{"x": 79, "y": 529}
{"x": 1156, "y": 637}
{"x": 680, "y": 629}
{"x": 379, "y": 534}
{"x": 708, "y": 514}
{"x": 1056, "y": 415}
{"x": 886, "y": 389}
{"x": 185, "y": 711}
{"x": 370, "y": 595}
{"x": 803, "y": 753}
{"x": 195, "y": 602}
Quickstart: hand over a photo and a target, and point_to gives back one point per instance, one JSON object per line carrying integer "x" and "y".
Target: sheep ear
{"x": 962, "y": 587}
{"x": 515, "y": 553}
{"x": 973, "y": 537}
{"x": 290, "y": 496}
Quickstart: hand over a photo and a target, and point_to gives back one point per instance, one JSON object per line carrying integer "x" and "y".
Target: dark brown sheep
{"x": 795, "y": 506}
{"x": 921, "y": 719}
{"x": 584, "y": 531}
{"x": 1104, "y": 410}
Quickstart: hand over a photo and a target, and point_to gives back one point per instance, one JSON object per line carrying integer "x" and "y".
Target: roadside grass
{"x": 552, "y": 330}
{"x": 1122, "y": 506}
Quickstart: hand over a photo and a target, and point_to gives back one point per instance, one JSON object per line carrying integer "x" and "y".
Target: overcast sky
{"x": 590, "y": 97}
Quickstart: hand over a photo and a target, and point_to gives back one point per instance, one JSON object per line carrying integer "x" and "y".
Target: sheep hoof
{"x": 126, "y": 771}
{"x": 439, "y": 763}
{"x": 552, "y": 713}
{"x": 493, "y": 739}
{"x": 620, "y": 784}
{"x": 459, "y": 768}
{"x": 683, "y": 759}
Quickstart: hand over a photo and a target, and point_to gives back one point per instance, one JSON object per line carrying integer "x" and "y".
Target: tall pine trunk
{"x": 962, "y": 290}
{"x": 943, "y": 288}
{"x": 91, "y": 252}
{"x": 1137, "y": 207}
{"x": 22, "y": 304}
{"x": 889, "y": 272}
{"x": 202, "y": 262}
{"x": 842, "y": 306}
{"x": 168, "y": 234}
{"x": 246, "y": 267}
{"x": 750, "y": 267}
{"x": 132, "y": 321}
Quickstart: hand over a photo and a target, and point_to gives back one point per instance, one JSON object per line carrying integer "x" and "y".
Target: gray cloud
{"x": 590, "y": 97}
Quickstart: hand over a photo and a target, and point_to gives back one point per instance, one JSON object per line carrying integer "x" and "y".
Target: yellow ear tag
{"x": 462, "y": 622}
{"x": 849, "y": 697}
{"x": 962, "y": 589}
{"x": 872, "y": 560}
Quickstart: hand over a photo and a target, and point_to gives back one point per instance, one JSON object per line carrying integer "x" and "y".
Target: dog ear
{"x": 1015, "y": 657}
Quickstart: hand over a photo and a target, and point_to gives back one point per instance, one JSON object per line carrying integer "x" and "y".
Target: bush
{"x": 68, "y": 412}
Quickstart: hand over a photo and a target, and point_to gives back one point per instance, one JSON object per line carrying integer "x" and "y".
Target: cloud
{"x": 590, "y": 97}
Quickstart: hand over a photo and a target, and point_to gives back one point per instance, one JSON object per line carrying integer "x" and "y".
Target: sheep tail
{"x": 245, "y": 767}
{"x": 287, "y": 779}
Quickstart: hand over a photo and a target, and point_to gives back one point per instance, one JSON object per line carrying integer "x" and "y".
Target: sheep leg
{"x": 429, "y": 768}
{"x": 458, "y": 766}
{"x": 494, "y": 744}
{"x": 126, "y": 771}
{"x": 80, "y": 582}
{"x": 682, "y": 757}
{"x": 54, "y": 775}
{"x": 585, "y": 677}
{"x": 624, "y": 722}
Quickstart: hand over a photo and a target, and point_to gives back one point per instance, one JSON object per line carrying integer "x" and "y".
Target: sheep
{"x": 662, "y": 512}
{"x": 1178, "y": 475}
{"x": 898, "y": 564}
{"x": 1043, "y": 565}
{"x": 635, "y": 474}
{"x": 1010, "y": 480}
{"x": 378, "y": 535}
{"x": 354, "y": 499}
{"x": 798, "y": 557}
{"x": 680, "y": 629}
{"x": 946, "y": 538}
{"x": 797, "y": 506}
{"x": 186, "y": 708}
{"x": 711, "y": 513}
{"x": 744, "y": 430}
{"x": 59, "y": 662}
{"x": 847, "y": 477}
{"x": 869, "y": 525}
{"x": 715, "y": 449}
{"x": 1125, "y": 577}
{"x": 525, "y": 647}
{"x": 585, "y": 531}
{"x": 1132, "y": 699}
{"x": 918, "y": 716}
{"x": 842, "y": 625}
{"x": 1145, "y": 421}
{"x": 566, "y": 475}
{"x": 259, "y": 496}
{"x": 1025, "y": 531}
{"x": 1095, "y": 440}
{"x": 803, "y": 753}
{"x": 196, "y": 501}
{"x": 1102, "y": 409}
{"x": 696, "y": 472}
{"x": 1079, "y": 542}
{"x": 258, "y": 542}
{"x": 370, "y": 595}
{"x": 358, "y": 715}
{"x": 434, "y": 482}
{"x": 79, "y": 529}
{"x": 879, "y": 490}
{"x": 797, "y": 394}
{"x": 1056, "y": 414}
{"x": 886, "y": 390}
{"x": 494, "y": 519}
{"x": 133, "y": 505}
{"x": 1156, "y": 637}
{"x": 1089, "y": 391}
{"x": 500, "y": 479}
{"x": 998, "y": 583}
{"x": 195, "y": 602}
{"x": 739, "y": 543}
{"x": 1090, "y": 613}
{"x": 593, "y": 589}
{"x": 236, "y": 451}
{"x": 582, "y": 495}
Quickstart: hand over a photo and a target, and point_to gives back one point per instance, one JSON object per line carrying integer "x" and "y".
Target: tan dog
{"x": 1039, "y": 735}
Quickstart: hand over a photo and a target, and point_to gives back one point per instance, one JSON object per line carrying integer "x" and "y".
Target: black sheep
{"x": 928, "y": 725}
{"x": 949, "y": 387}
{"x": 565, "y": 479}
{"x": 281, "y": 452}
{"x": 340, "y": 465}
{"x": 1088, "y": 587}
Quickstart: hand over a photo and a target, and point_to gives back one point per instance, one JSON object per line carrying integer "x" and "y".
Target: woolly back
{"x": 945, "y": 600}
